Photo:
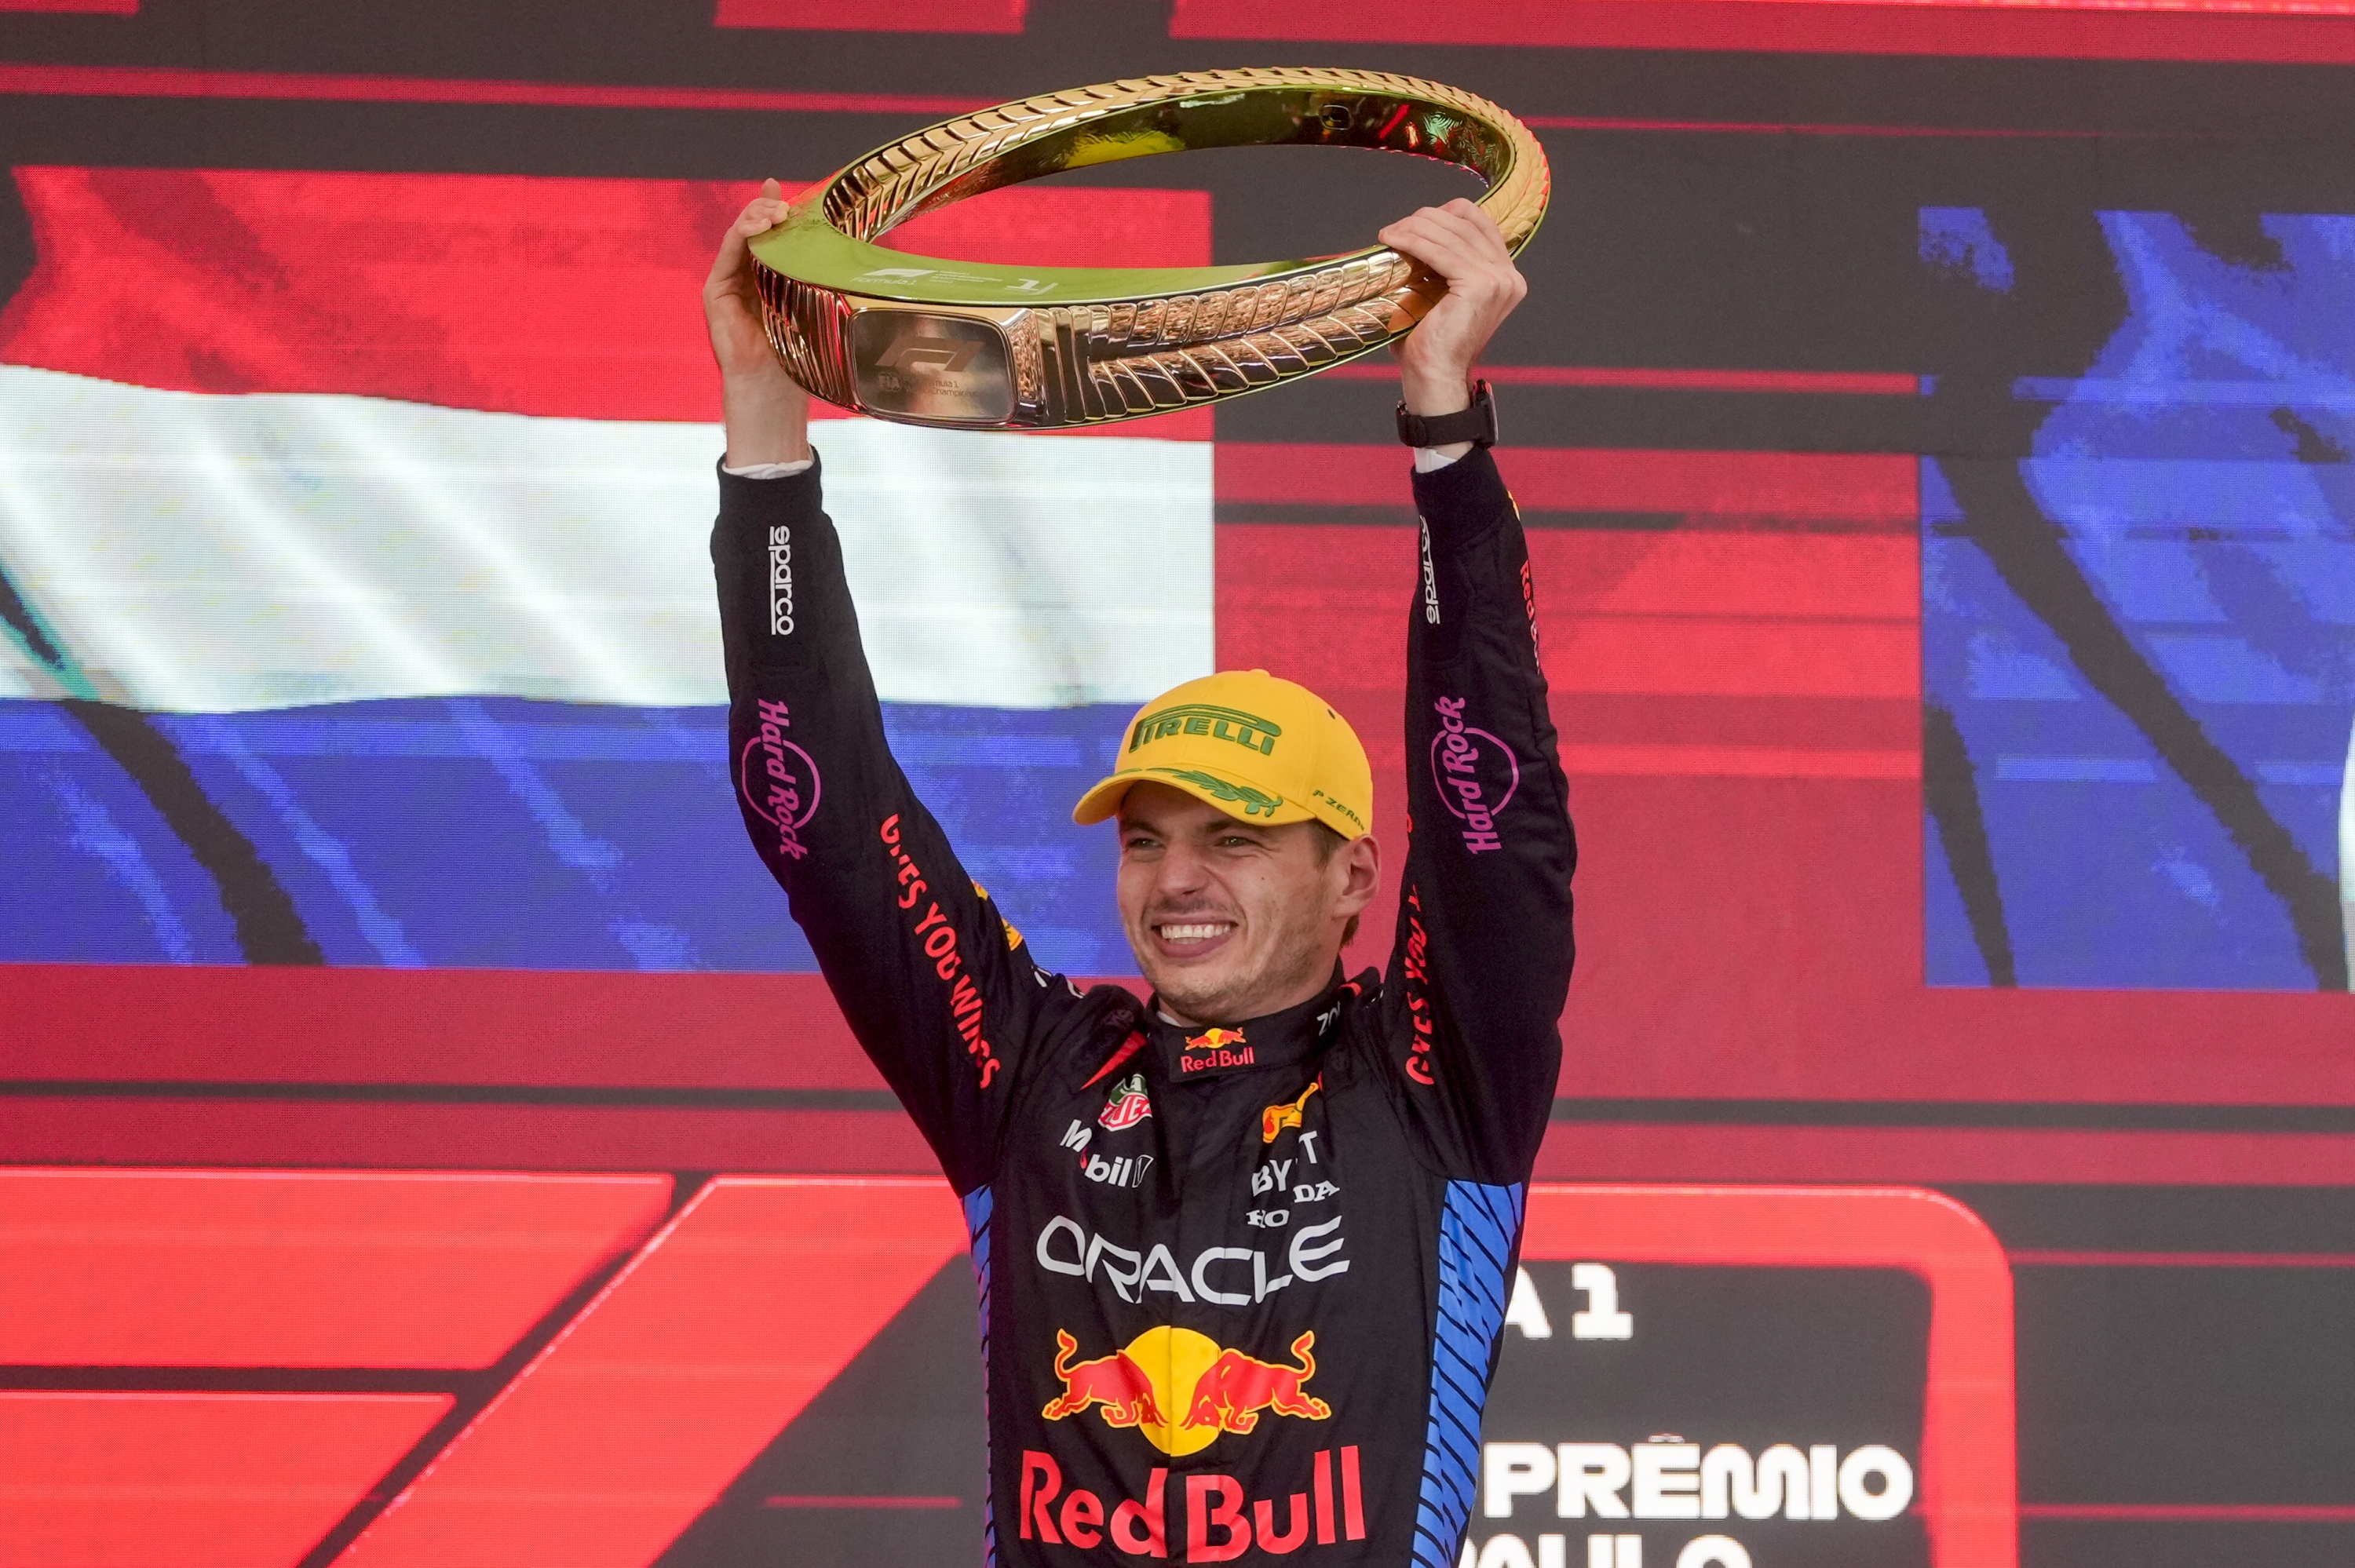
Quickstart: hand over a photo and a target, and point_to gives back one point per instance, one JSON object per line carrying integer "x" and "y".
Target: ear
{"x": 1358, "y": 864}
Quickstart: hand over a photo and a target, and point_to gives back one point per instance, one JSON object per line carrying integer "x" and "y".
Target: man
{"x": 1244, "y": 1250}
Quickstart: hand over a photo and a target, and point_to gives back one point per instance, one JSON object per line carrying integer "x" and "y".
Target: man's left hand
{"x": 1459, "y": 243}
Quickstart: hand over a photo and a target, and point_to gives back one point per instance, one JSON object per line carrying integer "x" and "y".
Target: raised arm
{"x": 766, "y": 414}
{"x": 940, "y": 991}
{"x": 1481, "y": 966}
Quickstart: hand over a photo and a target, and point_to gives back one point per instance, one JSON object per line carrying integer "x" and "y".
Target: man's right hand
{"x": 766, "y": 412}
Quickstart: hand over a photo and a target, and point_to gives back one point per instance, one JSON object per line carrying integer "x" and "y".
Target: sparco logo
{"x": 1429, "y": 579}
{"x": 1476, "y": 774}
{"x": 781, "y": 581}
{"x": 788, "y": 797}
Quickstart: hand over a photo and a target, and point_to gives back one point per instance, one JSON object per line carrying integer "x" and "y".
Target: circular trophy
{"x": 978, "y": 347}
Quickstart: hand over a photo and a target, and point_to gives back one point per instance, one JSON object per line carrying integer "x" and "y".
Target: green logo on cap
{"x": 1341, "y": 806}
{"x": 1220, "y": 724}
{"x": 1254, "y": 802}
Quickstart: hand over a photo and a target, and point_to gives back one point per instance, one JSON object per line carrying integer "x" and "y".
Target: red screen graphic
{"x": 654, "y": 1392}
{"x": 506, "y": 1232}
{"x": 2069, "y": 29}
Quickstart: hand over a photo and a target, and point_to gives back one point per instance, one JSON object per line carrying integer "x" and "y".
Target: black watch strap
{"x": 1476, "y": 424}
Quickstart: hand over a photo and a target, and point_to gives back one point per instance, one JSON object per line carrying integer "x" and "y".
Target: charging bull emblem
{"x": 1181, "y": 1389}
{"x": 1230, "y": 1395}
{"x": 1113, "y": 1382}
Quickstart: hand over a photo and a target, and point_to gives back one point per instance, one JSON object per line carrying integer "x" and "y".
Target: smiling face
{"x": 1234, "y": 920}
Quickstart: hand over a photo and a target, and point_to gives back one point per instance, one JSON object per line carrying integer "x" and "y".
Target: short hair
{"x": 1329, "y": 843}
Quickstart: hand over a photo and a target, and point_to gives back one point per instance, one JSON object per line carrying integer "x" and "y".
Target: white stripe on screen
{"x": 218, "y": 554}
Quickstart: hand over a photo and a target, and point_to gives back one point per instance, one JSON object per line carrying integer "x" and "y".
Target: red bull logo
{"x": 1181, "y": 1389}
{"x": 1221, "y": 1522}
{"x": 1215, "y": 1047}
{"x": 1230, "y": 1395}
{"x": 1115, "y": 1383}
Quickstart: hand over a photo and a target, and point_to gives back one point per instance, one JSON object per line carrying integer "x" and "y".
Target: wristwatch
{"x": 1476, "y": 424}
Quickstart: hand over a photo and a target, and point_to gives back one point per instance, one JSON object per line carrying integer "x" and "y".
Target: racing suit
{"x": 1242, "y": 1288}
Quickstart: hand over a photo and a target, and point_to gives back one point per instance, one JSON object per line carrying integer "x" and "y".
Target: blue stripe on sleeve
{"x": 1477, "y": 1231}
{"x": 978, "y": 1205}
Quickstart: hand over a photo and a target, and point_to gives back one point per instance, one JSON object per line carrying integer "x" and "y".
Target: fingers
{"x": 761, "y": 214}
{"x": 1478, "y": 234}
{"x": 1467, "y": 253}
{"x": 1461, "y": 243}
{"x": 1478, "y": 217}
{"x": 1467, "y": 221}
{"x": 1439, "y": 252}
{"x": 1458, "y": 241}
{"x": 1418, "y": 237}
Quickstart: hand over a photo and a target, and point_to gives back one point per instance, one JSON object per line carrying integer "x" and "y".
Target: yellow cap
{"x": 1259, "y": 749}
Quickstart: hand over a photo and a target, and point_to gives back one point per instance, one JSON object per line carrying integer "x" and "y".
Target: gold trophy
{"x": 976, "y": 347}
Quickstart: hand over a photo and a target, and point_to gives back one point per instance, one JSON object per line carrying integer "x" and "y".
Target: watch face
{"x": 949, "y": 369}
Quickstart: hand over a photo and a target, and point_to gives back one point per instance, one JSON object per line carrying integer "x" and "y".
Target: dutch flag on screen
{"x": 354, "y": 594}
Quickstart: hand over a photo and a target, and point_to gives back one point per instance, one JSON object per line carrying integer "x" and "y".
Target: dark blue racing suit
{"x": 1242, "y": 1288}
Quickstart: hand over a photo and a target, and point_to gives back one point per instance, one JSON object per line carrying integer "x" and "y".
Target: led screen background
{"x": 1932, "y": 423}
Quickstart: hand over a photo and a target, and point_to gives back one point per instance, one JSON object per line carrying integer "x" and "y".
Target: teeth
{"x": 1201, "y": 933}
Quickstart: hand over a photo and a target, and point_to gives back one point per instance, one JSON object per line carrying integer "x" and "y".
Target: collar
{"x": 1295, "y": 1035}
